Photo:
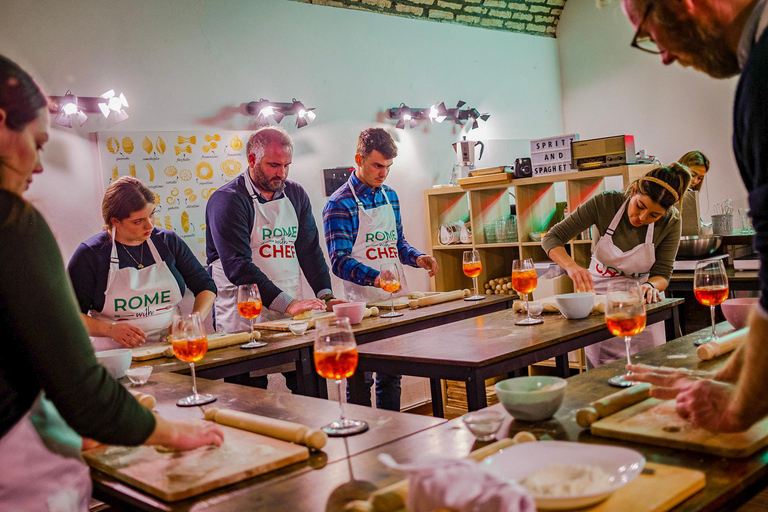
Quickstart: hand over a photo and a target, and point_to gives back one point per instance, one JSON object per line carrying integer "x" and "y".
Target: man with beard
{"x": 721, "y": 39}
{"x": 260, "y": 230}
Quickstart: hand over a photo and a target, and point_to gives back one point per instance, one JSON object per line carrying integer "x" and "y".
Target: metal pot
{"x": 695, "y": 247}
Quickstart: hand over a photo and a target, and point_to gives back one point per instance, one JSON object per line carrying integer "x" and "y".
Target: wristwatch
{"x": 327, "y": 297}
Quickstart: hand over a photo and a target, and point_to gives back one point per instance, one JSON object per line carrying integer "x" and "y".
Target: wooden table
{"x": 487, "y": 346}
{"x": 738, "y": 280}
{"x": 284, "y": 348}
{"x": 385, "y": 427}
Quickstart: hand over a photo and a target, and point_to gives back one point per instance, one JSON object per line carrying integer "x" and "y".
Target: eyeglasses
{"x": 645, "y": 43}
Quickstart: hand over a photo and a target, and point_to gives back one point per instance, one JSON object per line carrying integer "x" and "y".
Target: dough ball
{"x": 306, "y": 315}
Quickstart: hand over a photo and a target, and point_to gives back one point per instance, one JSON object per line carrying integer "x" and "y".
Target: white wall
{"x": 610, "y": 88}
{"x": 185, "y": 64}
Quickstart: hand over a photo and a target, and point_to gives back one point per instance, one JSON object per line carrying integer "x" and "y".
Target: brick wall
{"x": 536, "y": 17}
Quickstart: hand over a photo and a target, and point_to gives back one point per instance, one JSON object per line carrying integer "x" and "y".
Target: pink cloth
{"x": 460, "y": 485}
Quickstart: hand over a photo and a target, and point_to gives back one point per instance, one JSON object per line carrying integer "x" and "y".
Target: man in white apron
{"x": 260, "y": 230}
{"x": 723, "y": 39}
{"x": 363, "y": 232}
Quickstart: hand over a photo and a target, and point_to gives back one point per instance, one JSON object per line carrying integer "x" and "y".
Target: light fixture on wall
{"x": 70, "y": 107}
{"x": 266, "y": 111}
{"x": 410, "y": 117}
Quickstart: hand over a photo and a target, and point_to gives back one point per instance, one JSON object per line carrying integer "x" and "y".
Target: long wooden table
{"x": 487, "y": 346}
{"x": 284, "y": 348}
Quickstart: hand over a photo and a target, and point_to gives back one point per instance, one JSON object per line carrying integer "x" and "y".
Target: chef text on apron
{"x": 145, "y": 297}
{"x": 375, "y": 244}
{"x": 42, "y": 467}
{"x": 609, "y": 263}
{"x": 273, "y": 239}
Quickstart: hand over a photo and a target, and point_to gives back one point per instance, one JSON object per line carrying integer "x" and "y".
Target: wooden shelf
{"x": 497, "y": 245}
{"x": 581, "y": 242}
{"x": 531, "y": 244}
{"x": 452, "y": 246}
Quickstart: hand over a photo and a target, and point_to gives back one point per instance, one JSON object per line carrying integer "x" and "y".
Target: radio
{"x": 603, "y": 152}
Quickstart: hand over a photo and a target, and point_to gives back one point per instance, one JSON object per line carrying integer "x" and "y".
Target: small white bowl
{"x": 355, "y": 311}
{"x": 535, "y": 309}
{"x": 139, "y": 375}
{"x": 574, "y": 306}
{"x": 484, "y": 423}
{"x": 115, "y": 361}
{"x": 299, "y": 327}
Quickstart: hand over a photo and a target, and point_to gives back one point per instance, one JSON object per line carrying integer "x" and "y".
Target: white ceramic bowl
{"x": 520, "y": 460}
{"x": 531, "y": 398}
{"x": 355, "y": 311}
{"x": 115, "y": 361}
{"x": 575, "y": 305}
{"x": 139, "y": 375}
{"x": 299, "y": 327}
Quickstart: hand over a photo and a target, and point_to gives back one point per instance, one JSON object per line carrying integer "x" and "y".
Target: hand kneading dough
{"x": 306, "y": 315}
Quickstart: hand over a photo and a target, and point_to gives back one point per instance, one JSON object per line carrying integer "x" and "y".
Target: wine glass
{"x": 624, "y": 316}
{"x": 249, "y": 306}
{"x": 190, "y": 344}
{"x": 524, "y": 281}
{"x": 389, "y": 278}
{"x": 710, "y": 287}
{"x": 472, "y": 267}
{"x": 336, "y": 358}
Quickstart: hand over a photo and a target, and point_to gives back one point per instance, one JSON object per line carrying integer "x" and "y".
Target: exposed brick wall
{"x": 536, "y": 17}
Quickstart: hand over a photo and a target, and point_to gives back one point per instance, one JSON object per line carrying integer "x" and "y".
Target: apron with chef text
{"x": 42, "y": 470}
{"x": 610, "y": 263}
{"x": 145, "y": 297}
{"x": 273, "y": 239}
{"x": 375, "y": 245}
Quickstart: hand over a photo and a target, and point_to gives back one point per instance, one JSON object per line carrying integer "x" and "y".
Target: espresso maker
{"x": 465, "y": 155}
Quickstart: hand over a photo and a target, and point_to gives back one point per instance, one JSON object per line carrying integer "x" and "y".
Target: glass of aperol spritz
{"x": 710, "y": 287}
{"x": 249, "y": 306}
{"x": 190, "y": 343}
{"x": 524, "y": 281}
{"x": 624, "y": 316}
{"x": 472, "y": 267}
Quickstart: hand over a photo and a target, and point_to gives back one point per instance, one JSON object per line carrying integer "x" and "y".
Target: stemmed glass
{"x": 190, "y": 344}
{"x": 249, "y": 306}
{"x": 524, "y": 281}
{"x": 472, "y": 266}
{"x": 710, "y": 287}
{"x": 389, "y": 278}
{"x": 336, "y": 359}
{"x": 624, "y": 316}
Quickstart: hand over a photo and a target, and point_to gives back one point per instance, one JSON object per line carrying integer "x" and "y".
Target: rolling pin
{"x": 722, "y": 345}
{"x": 439, "y": 298}
{"x": 222, "y": 341}
{"x": 279, "y": 429}
{"x": 144, "y": 399}
{"x": 612, "y": 403}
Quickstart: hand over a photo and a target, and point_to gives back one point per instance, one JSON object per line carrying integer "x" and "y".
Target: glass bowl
{"x": 298, "y": 328}
{"x": 535, "y": 309}
{"x": 139, "y": 375}
{"x": 484, "y": 424}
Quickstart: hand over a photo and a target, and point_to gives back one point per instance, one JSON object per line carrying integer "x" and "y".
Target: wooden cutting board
{"x": 178, "y": 475}
{"x": 215, "y": 340}
{"x": 655, "y": 422}
{"x": 282, "y": 324}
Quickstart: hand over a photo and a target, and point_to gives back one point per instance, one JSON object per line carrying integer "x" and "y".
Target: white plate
{"x": 519, "y": 461}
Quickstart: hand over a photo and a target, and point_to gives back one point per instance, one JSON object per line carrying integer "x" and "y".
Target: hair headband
{"x": 663, "y": 184}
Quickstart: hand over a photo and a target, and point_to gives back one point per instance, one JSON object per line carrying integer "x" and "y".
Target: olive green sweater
{"x": 600, "y": 210}
{"x": 44, "y": 343}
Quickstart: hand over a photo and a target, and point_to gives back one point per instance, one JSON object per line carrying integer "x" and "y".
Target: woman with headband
{"x": 639, "y": 234}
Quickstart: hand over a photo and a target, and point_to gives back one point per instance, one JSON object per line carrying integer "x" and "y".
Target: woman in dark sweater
{"x": 47, "y": 359}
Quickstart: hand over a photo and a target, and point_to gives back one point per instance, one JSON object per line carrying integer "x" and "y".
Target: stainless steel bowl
{"x": 692, "y": 247}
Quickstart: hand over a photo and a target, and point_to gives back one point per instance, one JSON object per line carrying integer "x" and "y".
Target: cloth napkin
{"x": 550, "y": 306}
{"x": 459, "y": 485}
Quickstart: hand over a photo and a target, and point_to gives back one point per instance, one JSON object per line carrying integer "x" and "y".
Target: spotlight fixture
{"x": 114, "y": 104}
{"x": 266, "y": 110}
{"x": 410, "y": 117}
{"x": 69, "y": 107}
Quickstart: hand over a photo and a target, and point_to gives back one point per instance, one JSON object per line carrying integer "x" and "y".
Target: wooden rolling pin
{"x": 439, "y": 298}
{"x": 222, "y": 341}
{"x": 612, "y": 403}
{"x": 279, "y": 429}
{"x": 144, "y": 399}
{"x": 722, "y": 345}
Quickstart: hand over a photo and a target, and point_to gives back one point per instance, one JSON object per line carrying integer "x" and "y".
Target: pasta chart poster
{"x": 183, "y": 169}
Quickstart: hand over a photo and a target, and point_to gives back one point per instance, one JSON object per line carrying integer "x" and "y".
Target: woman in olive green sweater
{"x": 639, "y": 235}
{"x": 47, "y": 359}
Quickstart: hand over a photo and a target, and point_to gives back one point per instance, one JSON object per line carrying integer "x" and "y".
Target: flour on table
{"x": 561, "y": 480}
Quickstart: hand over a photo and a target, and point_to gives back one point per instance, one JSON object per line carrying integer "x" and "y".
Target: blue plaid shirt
{"x": 340, "y": 220}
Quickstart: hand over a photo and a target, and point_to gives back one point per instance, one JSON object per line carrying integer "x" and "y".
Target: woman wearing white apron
{"x": 47, "y": 357}
{"x": 128, "y": 292}
{"x": 639, "y": 235}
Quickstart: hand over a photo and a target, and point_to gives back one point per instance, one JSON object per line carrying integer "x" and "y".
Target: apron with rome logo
{"x": 273, "y": 239}
{"x": 609, "y": 263}
{"x": 375, "y": 244}
{"x": 144, "y": 297}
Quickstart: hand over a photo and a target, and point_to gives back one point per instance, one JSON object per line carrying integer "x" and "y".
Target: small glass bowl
{"x": 298, "y": 328}
{"x": 139, "y": 375}
{"x": 535, "y": 309}
{"x": 484, "y": 424}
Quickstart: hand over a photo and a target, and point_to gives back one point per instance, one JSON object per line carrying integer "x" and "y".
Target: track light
{"x": 116, "y": 104}
{"x": 410, "y": 117}
{"x": 266, "y": 110}
{"x": 70, "y": 107}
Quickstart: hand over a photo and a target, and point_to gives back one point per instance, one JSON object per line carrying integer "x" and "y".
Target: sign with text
{"x": 552, "y": 155}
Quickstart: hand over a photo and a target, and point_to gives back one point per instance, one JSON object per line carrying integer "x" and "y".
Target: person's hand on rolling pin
{"x": 667, "y": 382}
{"x": 709, "y": 404}
{"x": 582, "y": 280}
{"x": 126, "y": 334}
{"x": 650, "y": 293}
{"x": 428, "y": 263}
{"x": 299, "y": 306}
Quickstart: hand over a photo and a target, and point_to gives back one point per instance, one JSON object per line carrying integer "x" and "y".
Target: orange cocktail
{"x": 472, "y": 269}
{"x": 524, "y": 281}
{"x": 190, "y": 351}
{"x": 711, "y": 295}
{"x": 336, "y": 364}
{"x": 250, "y": 309}
{"x": 390, "y": 286}
{"x": 625, "y": 325}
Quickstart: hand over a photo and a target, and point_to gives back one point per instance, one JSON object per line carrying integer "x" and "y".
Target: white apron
{"x": 145, "y": 297}
{"x": 609, "y": 263}
{"x": 273, "y": 239}
{"x": 42, "y": 470}
{"x": 375, "y": 244}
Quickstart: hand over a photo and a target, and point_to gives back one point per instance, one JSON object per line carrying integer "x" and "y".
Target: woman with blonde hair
{"x": 639, "y": 235}
{"x": 698, "y": 165}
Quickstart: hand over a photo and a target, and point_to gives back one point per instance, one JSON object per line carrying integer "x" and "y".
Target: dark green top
{"x": 44, "y": 343}
{"x": 600, "y": 210}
